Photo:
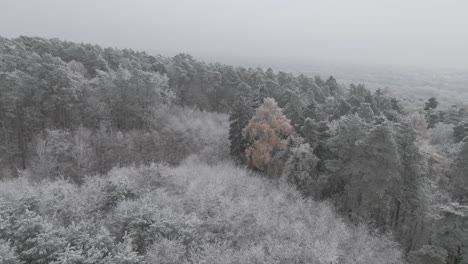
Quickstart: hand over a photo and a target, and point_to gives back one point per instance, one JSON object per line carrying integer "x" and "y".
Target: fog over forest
{"x": 331, "y": 132}
{"x": 420, "y": 33}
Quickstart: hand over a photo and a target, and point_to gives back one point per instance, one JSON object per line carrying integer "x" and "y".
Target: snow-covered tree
{"x": 301, "y": 170}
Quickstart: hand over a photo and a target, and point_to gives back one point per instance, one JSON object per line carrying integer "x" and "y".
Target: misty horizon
{"x": 420, "y": 34}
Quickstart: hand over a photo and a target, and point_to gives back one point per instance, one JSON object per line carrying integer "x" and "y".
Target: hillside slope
{"x": 193, "y": 213}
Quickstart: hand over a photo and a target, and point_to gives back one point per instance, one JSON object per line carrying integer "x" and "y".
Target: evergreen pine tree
{"x": 365, "y": 112}
{"x": 459, "y": 175}
{"x": 294, "y": 110}
{"x": 309, "y": 131}
{"x": 431, "y": 104}
{"x": 239, "y": 117}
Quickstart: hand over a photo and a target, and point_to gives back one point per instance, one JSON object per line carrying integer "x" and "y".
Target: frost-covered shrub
{"x": 367, "y": 247}
{"x": 441, "y": 134}
{"x": 428, "y": 255}
{"x": 8, "y": 254}
{"x": 33, "y": 237}
{"x": 301, "y": 170}
{"x": 166, "y": 251}
{"x": 418, "y": 122}
{"x": 186, "y": 132}
{"x": 124, "y": 253}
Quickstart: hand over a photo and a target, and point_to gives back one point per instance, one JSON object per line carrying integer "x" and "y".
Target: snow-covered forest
{"x": 118, "y": 156}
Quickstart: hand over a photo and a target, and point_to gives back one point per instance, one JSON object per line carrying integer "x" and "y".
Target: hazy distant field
{"x": 449, "y": 86}
{"x": 409, "y": 84}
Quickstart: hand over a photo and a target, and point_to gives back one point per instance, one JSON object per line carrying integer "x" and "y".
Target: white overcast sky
{"x": 424, "y": 33}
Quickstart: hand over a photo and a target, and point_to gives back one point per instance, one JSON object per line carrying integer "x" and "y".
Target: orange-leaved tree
{"x": 266, "y": 134}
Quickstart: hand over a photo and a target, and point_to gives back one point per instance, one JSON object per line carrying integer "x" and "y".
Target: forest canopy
{"x": 117, "y": 156}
